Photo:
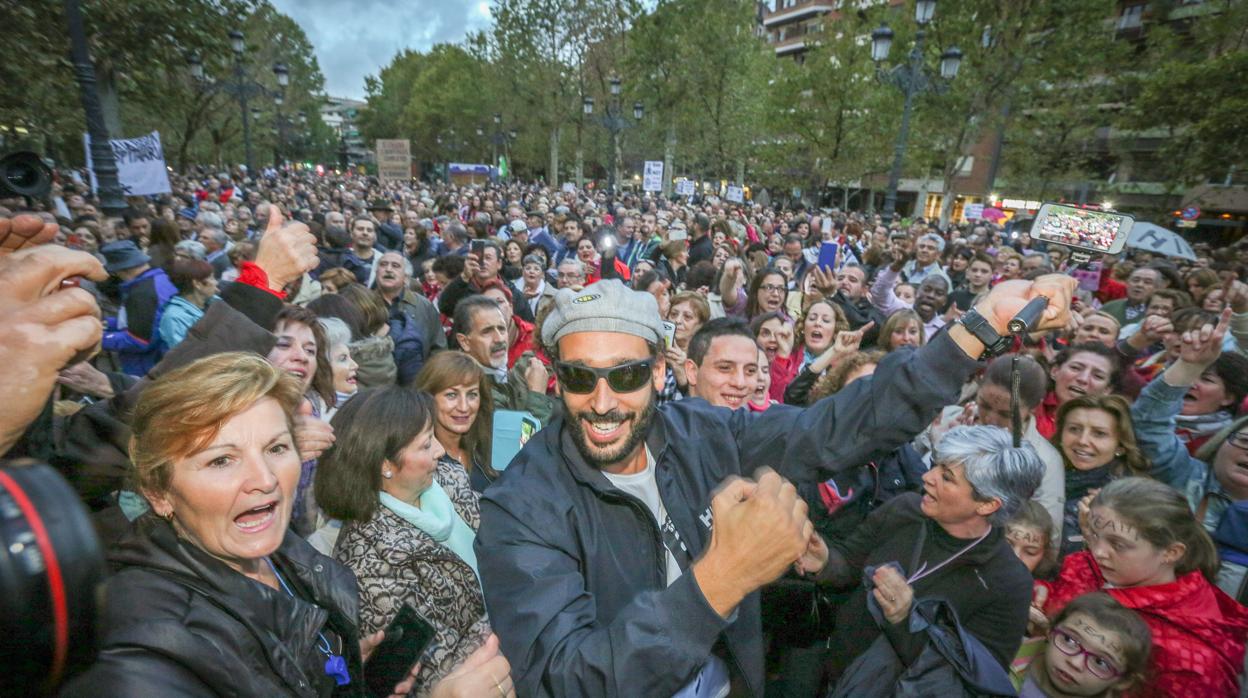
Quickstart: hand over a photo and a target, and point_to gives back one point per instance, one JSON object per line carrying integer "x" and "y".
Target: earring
{"x": 1118, "y": 453}
{"x": 387, "y": 474}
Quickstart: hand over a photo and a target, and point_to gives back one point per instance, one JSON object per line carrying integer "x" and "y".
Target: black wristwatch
{"x": 994, "y": 344}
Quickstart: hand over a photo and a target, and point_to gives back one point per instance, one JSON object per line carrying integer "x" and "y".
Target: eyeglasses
{"x": 1099, "y": 666}
{"x": 625, "y": 378}
{"x": 1239, "y": 440}
{"x": 771, "y": 288}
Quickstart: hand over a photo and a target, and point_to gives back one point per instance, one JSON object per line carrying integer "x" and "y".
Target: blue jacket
{"x": 573, "y": 569}
{"x": 176, "y": 320}
{"x": 409, "y": 348}
{"x": 134, "y": 334}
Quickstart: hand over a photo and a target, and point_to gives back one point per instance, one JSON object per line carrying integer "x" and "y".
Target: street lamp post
{"x": 241, "y": 88}
{"x": 615, "y": 123}
{"x": 102, "y": 161}
{"x": 237, "y": 45}
{"x": 283, "y": 79}
{"x": 913, "y": 79}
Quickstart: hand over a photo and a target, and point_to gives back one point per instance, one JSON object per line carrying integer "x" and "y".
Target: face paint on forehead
{"x": 1088, "y": 630}
{"x": 1106, "y": 525}
{"x": 1025, "y": 534}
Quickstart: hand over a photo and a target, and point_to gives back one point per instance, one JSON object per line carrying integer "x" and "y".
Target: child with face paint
{"x": 1147, "y": 551}
{"x": 1097, "y": 647}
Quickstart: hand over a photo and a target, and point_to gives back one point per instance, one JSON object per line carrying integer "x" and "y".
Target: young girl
{"x": 1097, "y": 647}
{"x": 1147, "y": 551}
{"x": 1030, "y": 533}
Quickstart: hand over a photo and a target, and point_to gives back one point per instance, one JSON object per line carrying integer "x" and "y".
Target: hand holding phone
{"x": 406, "y": 640}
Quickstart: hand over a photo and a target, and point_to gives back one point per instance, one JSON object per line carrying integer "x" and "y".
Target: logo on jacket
{"x": 587, "y": 298}
{"x": 707, "y": 520}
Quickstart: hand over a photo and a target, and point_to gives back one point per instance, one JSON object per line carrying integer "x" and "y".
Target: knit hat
{"x": 607, "y": 306}
{"x": 122, "y": 255}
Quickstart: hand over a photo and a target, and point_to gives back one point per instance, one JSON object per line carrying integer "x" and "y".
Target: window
{"x": 1132, "y": 17}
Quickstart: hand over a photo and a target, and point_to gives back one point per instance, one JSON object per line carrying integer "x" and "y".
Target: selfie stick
{"x": 1022, "y": 322}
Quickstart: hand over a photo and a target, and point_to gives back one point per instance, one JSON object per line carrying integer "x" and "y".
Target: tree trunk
{"x": 552, "y": 174}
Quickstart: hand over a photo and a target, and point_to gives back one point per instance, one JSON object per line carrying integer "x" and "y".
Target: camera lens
{"x": 51, "y": 566}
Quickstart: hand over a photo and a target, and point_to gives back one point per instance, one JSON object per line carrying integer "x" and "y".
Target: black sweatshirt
{"x": 988, "y": 586}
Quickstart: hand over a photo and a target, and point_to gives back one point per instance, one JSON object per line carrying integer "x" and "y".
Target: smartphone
{"x": 407, "y": 639}
{"x": 678, "y": 234}
{"x": 669, "y": 333}
{"x": 1103, "y": 232}
{"x": 827, "y": 255}
{"x": 477, "y": 247}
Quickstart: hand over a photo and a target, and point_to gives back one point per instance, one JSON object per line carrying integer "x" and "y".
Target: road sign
{"x": 1190, "y": 213}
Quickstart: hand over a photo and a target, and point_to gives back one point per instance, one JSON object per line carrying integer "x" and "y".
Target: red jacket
{"x": 1110, "y": 289}
{"x": 1198, "y": 631}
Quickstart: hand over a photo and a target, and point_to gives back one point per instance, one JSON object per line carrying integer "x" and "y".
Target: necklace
{"x": 923, "y": 571}
{"x": 335, "y": 665}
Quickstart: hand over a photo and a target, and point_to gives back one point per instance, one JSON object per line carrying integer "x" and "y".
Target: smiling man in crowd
{"x": 621, "y": 552}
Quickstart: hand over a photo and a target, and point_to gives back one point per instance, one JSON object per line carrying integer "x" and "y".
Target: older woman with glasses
{"x": 947, "y": 543}
{"x": 213, "y": 594}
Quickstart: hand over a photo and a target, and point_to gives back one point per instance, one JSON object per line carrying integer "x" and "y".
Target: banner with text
{"x": 394, "y": 159}
{"x": 684, "y": 187}
{"x": 735, "y": 194}
{"x": 141, "y": 166}
{"x": 652, "y": 180}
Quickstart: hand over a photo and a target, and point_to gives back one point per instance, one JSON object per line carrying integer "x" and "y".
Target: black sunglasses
{"x": 625, "y": 378}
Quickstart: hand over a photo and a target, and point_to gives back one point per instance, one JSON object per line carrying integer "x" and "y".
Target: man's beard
{"x": 616, "y": 453}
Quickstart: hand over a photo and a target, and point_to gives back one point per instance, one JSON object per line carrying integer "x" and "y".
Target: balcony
{"x": 798, "y": 10}
{"x": 793, "y": 44}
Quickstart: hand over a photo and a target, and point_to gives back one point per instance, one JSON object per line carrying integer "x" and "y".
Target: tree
{"x": 140, "y": 48}
{"x": 1013, "y": 52}
{"x": 1196, "y": 64}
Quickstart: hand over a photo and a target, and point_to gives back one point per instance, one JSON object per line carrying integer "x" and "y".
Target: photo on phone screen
{"x": 407, "y": 639}
{"x": 669, "y": 333}
{"x": 1095, "y": 231}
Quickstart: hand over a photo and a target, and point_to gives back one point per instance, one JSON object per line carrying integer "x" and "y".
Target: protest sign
{"x": 652, "y": 180}
{"x": 735, "y": 194}
{"x": 394, "y": 159}
{"x": 685, "y": 187}
{"x": 141, "y": 169}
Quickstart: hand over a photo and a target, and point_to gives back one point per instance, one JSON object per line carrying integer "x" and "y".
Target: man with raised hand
{"x": 622, "y": 551}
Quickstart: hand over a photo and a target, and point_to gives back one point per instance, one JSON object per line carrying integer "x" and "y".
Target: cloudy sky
{"x": 355, "y": 38}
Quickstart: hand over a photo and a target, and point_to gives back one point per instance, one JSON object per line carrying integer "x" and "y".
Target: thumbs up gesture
{"x": 287, "y": 251}
{"x": 313, "y": 436}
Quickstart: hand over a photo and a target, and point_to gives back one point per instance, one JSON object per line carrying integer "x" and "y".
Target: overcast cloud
{"x": 356, "y": 38}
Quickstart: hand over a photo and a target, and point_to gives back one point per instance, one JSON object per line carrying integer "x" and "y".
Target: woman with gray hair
{"x": 947, "y": 543}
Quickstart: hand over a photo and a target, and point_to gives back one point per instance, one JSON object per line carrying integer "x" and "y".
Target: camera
{"x": 24, "y": 174}
{"x": 51, "y": 571}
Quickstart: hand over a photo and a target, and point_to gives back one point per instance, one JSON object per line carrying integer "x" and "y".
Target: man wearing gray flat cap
{"x": 602, "y": 572}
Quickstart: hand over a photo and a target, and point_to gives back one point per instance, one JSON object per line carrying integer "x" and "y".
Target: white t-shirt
{"x": 712, "y": 681}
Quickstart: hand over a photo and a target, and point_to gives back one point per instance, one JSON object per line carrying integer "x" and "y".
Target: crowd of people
{"x": 629, "y": 446}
